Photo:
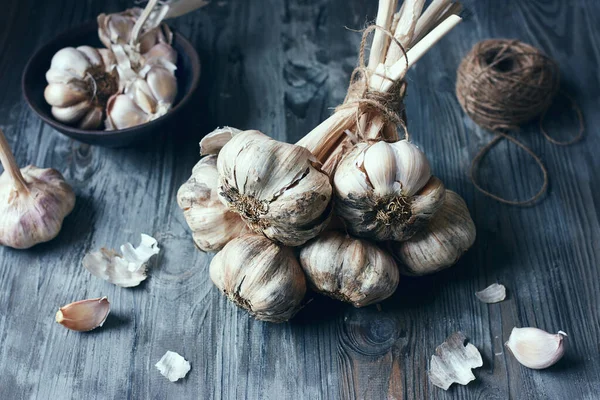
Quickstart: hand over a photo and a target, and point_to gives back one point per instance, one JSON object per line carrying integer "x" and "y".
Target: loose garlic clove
{"x": 214, "y": 141}
{"x": 352, "y": 270}
{"x": 122, "y": 112}
{"x": 84, "y": 315}
{"x": 385, "y": 191}
{"x": 448, "y": 235}
{"x": 212, "y": 223}
{"x": 33, "y": 202}
{"x": 261, "y": 277}
{"x": 535, "y": 348}
{"x": 274, "y": 187}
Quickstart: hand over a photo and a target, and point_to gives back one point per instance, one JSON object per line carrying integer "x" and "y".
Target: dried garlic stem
{"x": 10, "y": 165}
{"x": 139, "y": 24}
{"x": 385, "y": 13}
{"x": 405, "y": 29}
{"x": 429, "y": 17}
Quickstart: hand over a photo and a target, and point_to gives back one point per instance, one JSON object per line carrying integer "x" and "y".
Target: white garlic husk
{"x": 352, "y": 270}
{"x": 535, "y": 348}
{"x": 385, "y": 191}
{"x": 261, "y": 277}
{"x": 33, "y": 202}
{"x": 275, "y": 187}
{"x": 449, "y": 234}
{"x": 80, "y": 82}
{"x": 212, "y": 223}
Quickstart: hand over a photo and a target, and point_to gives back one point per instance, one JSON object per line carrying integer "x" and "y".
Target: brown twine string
{"x": 502, "y": 84}
{"x": 389, "y": 104}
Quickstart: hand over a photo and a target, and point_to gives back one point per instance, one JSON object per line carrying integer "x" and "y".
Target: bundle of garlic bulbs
{"x": 361, "y": 205}
{"x": 130, "y": 82}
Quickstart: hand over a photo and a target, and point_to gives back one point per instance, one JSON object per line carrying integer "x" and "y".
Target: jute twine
{"x": 502, "y": 84}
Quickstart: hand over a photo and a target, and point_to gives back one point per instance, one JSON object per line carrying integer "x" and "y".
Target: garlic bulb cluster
{"x": 33, "y": 202}
{"x": 261, "y": 277}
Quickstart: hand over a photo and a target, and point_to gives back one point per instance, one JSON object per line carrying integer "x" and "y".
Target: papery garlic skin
{"x": 80, "y": 82}
{"x": 352, "y": 270}
{"x": 385, "y": 191}
{"x": 449, "y": 234}
{"x": 535, "y": 348}
{"x": 274, "y": 187}
{"x": 261, "y": 277}
{"x": 213, "y": 142}
{"x": 84, "y": 315}
{"x": 212, "y": 223}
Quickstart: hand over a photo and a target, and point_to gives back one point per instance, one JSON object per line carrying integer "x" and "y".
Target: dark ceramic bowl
{"x": 34, "y": 83}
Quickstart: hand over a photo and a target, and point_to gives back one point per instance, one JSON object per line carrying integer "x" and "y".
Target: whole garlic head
{"x": 274, "y": 187}
{"x": 33, "y": 202}
{"x": 212, "y": 223}
{"x": 352, "y": 270}
{"x": 261, "y": 277}
{"x": 449, "y": 234}
{"x": 385, "y": 191}
{"x": 80, "y": 82}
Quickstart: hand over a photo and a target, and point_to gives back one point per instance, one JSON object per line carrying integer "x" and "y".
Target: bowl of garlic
{"x": 115, "y": 81}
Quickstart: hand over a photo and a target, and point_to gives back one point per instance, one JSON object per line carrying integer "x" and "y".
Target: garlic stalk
{"x": 33, "y": 202}
{"x": 84, "y": 315}
{"x": 535, "y": 348}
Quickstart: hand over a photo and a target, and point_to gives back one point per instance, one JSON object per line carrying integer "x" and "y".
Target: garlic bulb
{"x": 212, "y": 223}
{"x": 385, "y": 191}
{"x": 33, "y": 202}
{"x": 80, "y": 82}
{"x": 261, "y": 277}
{"x": 275, "y": 187}
{"x": 348, "y": 269}
{"x": 448, "y": 235}
{"x": 535, "y": 348}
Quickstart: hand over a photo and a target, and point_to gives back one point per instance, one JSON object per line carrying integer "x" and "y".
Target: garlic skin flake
{"x": 385, "y": 191}
{"x": 33, "y": 202}
{"x": 453, "y": 361}
{"x": 125, "y": 270}
{"x": 173, "y": 366}
{"x": 494, "y": 293}
{"x": 84, "y": 315}
{"x": 261, "y": 277}
{"x": 213, "y": 142}
{"x": 535, "y": 348}
{"x": 275, "y": 187}
{"x": 352, "y": 270}
{"x": 212, "y": 223}
{"x": 80, "y": 82}
{"x": 449, "y": 234}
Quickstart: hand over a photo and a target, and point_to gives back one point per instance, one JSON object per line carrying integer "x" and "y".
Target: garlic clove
{"x": 162, "y": 84}
{"x": 141, "y": 95}
{"x": 348, "y": 269}
{"x": 71, "y": 114}
{"x": 380, "y": 166}
{"x": 448, "y": 235}
{"x": 71, "y": 60}
{"x": 161, "y": 51}
{"x": 92, "y": 54}
{"x": 535, "y": 348}
{"x": 413, "y": 170}
{"x": 122, "y": 112}
{"x": 84, "y": 315}
{"x": 214, "y": 141}
{"x": 494, "y": 293}
{"x": 64, "y": 94}
{"x": 261, "y": 277}
{"x": 115, "y": 28}
{"x": 92, "y": 119}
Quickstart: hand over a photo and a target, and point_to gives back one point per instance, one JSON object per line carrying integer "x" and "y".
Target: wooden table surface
{"x": 280, "y": 66}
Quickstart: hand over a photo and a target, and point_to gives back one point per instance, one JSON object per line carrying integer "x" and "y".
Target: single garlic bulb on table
{"x": 352, "y": 270}
{"x": 275, "y": 187}
{"x": 80, "y": 82}
{"x": 449, "y": 234}
{"x": 33, "y": 202}
{"x": 261, "y": 277}
{"x": 385, "y": 191}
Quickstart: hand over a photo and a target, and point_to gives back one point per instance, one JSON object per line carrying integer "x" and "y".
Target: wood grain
{"x": 280, "y": 66}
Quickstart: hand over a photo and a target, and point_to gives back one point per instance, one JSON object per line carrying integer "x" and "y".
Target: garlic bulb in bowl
{"x": 385, "y": 191}
{"x": 275, "y": 187}
{"x": 80, "y": 82}
{"x": 261, "y": 277}
{"x": 352, "y": 270}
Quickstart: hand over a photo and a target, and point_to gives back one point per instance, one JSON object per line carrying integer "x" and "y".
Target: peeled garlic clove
{"x": 448, "y": 235}
{"x": 84, "y": 315}
{"x": 261, "y": 277}
{"x": 382, "y": 190}
{"x": 274, "y": 187}
{"x": 212, "y": 223}
{"x": 173, "y": 366}
{"x": 352, "y": 270}
{"x": 214, "y": 141}
{"x": 535, "y": 348}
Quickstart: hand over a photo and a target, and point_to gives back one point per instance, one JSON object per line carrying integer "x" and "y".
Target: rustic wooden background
{"x": 279, "y": 66}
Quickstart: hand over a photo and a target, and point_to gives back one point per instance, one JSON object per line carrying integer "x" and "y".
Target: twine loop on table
{"x": 502, "y": 84}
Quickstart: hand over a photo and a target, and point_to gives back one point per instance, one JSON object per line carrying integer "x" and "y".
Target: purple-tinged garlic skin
{"x": 84, "y": 315}
{"x": 261, "y": 277}
{"x": 352, "y": 270}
